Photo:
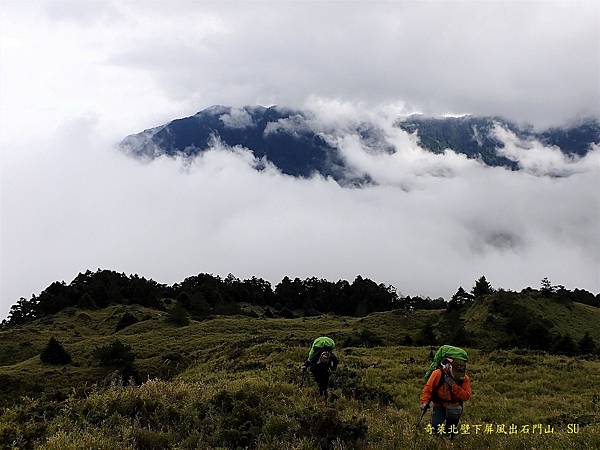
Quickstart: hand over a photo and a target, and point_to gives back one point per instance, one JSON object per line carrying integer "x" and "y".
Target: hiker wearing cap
{"x": 447, "y": 387}
{"x": 320, "y": 361}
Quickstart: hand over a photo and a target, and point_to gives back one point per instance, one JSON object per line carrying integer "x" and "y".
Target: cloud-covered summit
{"x": 318, "y": 141}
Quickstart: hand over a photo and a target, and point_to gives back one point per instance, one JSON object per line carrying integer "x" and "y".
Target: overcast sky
{"x": 76, "y": 77}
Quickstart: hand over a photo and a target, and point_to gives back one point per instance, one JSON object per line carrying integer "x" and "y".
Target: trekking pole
{"x": 422, "y": 415}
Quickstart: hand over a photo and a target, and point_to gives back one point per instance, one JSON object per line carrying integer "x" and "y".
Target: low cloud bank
{"x": 429, "y": 223}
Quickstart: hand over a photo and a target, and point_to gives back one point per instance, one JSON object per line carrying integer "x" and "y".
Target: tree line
{"x": 210, "y": 294}
{"x": 206, "y": 294}
{"x": 523, "y": 327}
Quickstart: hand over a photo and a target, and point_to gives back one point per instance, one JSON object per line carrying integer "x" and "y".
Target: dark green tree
{"x": 482, "y": 287}
{"x": 427, "y": 335}
{"x": 199, "y": 307}
{"x": 86, "y": 302}
{"x": 586, "y": 344}
{"x": 184, "y": 299}
{"x": 459, "y": 299}
{"x": 55, "y": 353}
{"x": 178, "y": 315}
{"x": 546, "y": 286}
{"x": 565, "y": 345}
{"x": 535, "y": 335}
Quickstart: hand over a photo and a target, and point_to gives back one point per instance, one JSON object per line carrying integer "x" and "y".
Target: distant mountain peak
{"x": 287, "y": 138}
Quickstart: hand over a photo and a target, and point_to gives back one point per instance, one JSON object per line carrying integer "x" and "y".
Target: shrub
{"x": 287, "y": 313}
{"x": 153, "y": 440}
{"x": 587, "y": 345}
{"x": 240, "y": 421}
{"x": 126, "y": 320}
{"x": 353, "y": 387}
{"x": 363, "y": 338}
{"x": 129, "y": 375}
{"x": 427, "y": 336}
{"x": 226, "y": 308}
{"x": 115, "y": 354}
{"x": 178, "y": 315}
{"x": 55, "y": 353}
{"x": 565, "y": 345}
{"x": 326, "y": 427}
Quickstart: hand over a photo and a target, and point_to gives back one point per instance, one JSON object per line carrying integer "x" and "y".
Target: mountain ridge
{"x": 288, "y": 139}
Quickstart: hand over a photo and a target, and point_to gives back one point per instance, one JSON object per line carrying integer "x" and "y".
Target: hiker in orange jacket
{"x": 448, "y": 387}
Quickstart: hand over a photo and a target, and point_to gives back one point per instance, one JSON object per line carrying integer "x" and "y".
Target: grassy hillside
{"x": 494, "y": 320}
{"x": 163, "y": 350}
{"x": 233, "y": 382}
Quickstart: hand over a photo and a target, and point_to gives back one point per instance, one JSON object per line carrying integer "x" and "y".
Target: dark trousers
{"x": 438, "y": 416}
{"x": 321, "y": 376}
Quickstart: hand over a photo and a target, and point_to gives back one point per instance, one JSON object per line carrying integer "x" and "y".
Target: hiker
{"x": 447, "y": 387}
{"x": 321, "y": 360}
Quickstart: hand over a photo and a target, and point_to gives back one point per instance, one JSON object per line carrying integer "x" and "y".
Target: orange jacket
{"x": 445, "y": 395}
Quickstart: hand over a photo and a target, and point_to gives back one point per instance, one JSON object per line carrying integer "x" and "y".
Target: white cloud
{"x": 295, "y": 125}
{"x": 72, "y": 83}
{"x": 236, "y": 118}
{"x": 433, "y": 222}
{"x": 535, "y": 158}
{"x": 137, "y": 65}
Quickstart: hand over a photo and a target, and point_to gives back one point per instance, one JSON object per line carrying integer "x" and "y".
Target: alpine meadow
{"x": 299, "y": 225}
{"x": 214, "y": 364}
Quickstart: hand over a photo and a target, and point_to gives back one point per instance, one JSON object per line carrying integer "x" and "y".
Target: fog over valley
{"x": 384, "y": 201}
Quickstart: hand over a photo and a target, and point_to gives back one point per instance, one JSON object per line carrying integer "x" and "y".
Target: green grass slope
{"x": 488, "y": 321}
{"x": 234, "y": 382}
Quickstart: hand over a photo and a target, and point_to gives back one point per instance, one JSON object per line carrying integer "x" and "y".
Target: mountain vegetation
{"x": 473, "y": 137}
{"x": 204, "y": 295}
{"x": 214, "y": 363}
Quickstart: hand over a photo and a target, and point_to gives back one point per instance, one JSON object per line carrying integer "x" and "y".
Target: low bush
{"x": 55, "y": 353}
{"x": 352, "y": 386}
{"x": 178, "y": 315}
{"x": 362, "y": 338}
{"x": 115, "y": 354}
{"x": 126, "y": 320}
{"x": 326, "y": 428}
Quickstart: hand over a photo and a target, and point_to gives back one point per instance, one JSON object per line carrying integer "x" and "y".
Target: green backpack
{"x": 446, "y": 351}
{"x": 322, "y": 342}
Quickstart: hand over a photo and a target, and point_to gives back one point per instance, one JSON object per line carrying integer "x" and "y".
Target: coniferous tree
{"x": 482, "y": 287}
{"x": 547, "y": 288}
{"x": 459, "y": 299}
